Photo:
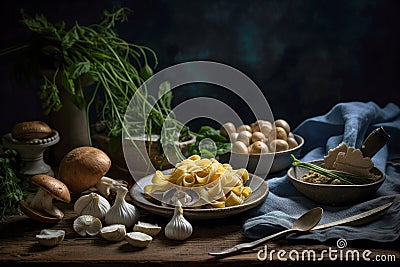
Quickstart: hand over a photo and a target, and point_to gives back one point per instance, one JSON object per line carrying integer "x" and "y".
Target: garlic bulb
{"x": 92, "y": 204}
{"x": 122, "y": 212}
{"x": 178, "y": 228}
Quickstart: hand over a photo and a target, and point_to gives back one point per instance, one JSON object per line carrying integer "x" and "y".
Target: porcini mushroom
{"x": 49, "y": 188}
{"x": 50, "y": 238}
{"x": 83, "y": 167}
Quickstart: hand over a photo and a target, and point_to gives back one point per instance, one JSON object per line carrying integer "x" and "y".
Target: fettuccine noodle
{"x": 217, "y": 184}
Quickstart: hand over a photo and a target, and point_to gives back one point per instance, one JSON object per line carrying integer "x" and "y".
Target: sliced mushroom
{"x": 49, "y": 188}
{"x": 87, "y": 224}
{"x": 147, "y": 228}
{"x": 138, "y": 239}
{"x": 114, "y": 232}
{"x": 50, "y": 238}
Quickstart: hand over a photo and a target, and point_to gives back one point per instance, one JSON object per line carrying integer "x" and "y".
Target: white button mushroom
{"x": 50, "y": 238}
{"x": 49, "y": 188}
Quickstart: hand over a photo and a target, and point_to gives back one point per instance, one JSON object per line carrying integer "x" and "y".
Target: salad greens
{"x": 222, "y": 144}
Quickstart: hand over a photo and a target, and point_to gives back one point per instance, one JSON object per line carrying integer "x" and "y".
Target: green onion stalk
{"x": 344, "y": 177}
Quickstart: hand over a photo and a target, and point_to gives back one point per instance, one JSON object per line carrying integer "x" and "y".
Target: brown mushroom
{"x": 244, "y": 127}
{"x": 245, "y": 137}
{"x": 258, "y": 148}
{"x": 257, "y": 136}
{"x": 41, "y": 206}
{"x": 227, "y": 129}
{"x": 278, "y": 145}
{"x": 29, "y": 130}
{"x": 283, "y": 124}
{"x": 83, "y": 167}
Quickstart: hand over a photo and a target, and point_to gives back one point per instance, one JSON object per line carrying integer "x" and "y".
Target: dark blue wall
{"x": 306, "y": 56}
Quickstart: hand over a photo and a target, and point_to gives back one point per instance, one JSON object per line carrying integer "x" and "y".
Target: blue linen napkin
{"x": 349, "y": 122}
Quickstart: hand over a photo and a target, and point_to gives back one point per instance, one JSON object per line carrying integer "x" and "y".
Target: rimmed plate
{"x": 258, "y": 185}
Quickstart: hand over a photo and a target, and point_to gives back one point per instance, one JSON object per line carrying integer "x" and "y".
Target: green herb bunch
{"x": 10, "y": 185}
{"x": 96, "y": 55}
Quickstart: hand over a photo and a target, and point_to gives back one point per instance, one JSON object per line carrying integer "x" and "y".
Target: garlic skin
{"x": 92, "y": 204}
{"x": 122, "y": 212}
{"x": 178, "y": 228}
{"x": 114, "y": 232}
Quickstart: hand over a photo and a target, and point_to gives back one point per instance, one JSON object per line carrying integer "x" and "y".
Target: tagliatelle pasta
{"x": 217, "y": 185}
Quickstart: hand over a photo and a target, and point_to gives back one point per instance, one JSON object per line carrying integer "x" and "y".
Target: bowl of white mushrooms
{"x": 263, "y": 147}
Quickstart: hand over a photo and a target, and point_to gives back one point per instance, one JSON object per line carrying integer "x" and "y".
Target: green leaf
{"x": 146, "y": 72}
{"x": 50, "y": 50}
{"x": 69, "y": 39}
{"x": 209, "y": 132}
{"x": 80, "y": 68}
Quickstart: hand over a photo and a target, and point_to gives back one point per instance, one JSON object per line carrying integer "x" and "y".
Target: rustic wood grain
{"x": 18, "y": 246}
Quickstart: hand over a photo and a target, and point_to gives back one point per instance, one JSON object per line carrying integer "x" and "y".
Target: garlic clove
{"x": 138, "y": 239}
{"x": 178, "y": 228}
{"x": 87, "y": 224}
{"x": 147, "y": 228}
{"x": 50, "y": 238}
{"x": 114, "y": 232}
{"x": 92, "y": 204}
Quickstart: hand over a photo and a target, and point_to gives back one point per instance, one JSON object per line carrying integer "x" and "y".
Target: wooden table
{"x": 18, "y": 246}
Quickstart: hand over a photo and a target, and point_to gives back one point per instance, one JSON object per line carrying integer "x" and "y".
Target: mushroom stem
{"x": 44, "y": 201}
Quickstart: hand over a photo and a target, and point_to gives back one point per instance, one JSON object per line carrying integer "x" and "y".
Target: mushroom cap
{"x": 83, "y": 167}
{"x": 87, "y": 224}
{"x": 29, "y": 130}
{"x": 37, "y": 215}
{"x": 53, "y": 186}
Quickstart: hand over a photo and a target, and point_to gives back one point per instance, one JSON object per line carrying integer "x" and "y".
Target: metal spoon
{"x": 305, "y": 223}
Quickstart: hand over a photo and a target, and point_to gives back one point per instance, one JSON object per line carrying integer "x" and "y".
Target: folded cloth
{"x": 350, "y": 123}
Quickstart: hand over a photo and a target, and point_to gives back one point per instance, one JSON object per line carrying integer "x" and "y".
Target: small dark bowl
{"x": 334, "y": 195}
{"x": 264, "y": 164}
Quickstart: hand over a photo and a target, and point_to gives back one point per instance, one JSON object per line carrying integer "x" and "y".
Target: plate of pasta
{"x": 206, "y": 188}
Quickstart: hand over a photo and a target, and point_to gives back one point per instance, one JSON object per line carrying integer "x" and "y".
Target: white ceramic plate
{"x": 258, "y": 185}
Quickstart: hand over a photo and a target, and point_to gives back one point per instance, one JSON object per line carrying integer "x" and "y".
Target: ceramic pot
{"x": 70, "y": 122}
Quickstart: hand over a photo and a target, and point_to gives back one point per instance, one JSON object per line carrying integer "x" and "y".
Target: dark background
{"x": 306, "y": 56}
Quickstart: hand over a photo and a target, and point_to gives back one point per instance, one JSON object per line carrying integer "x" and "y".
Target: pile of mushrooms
{"x": 260, "y": 137}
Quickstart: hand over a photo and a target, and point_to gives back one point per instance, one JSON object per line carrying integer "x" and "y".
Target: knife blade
{"x": 357, "y": 219}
